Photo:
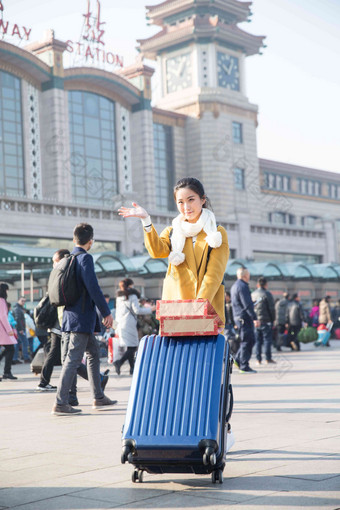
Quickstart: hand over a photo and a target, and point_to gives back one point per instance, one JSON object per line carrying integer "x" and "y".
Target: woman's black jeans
{"x": 8, "y": 355}
{"x": 129, "y": 355}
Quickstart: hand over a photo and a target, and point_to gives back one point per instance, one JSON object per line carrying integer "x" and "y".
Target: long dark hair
{"x": 196, "y": 186}
{"x": 124, "y": 288}
{"x": 3, "y": 290}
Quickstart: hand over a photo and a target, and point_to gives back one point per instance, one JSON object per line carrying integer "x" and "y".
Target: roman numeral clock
{"x": 228, "y": 71}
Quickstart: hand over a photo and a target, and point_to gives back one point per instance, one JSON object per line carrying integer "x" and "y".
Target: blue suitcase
{"x": 179, "y": 406}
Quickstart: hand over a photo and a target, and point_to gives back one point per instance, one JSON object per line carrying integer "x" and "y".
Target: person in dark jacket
{"x": 245, "y": 319}
{"x": 280, "y": 320}
{"x": 265, "y": 311}
{"x": 295, "y": 319}
{"x": 54, "y": 353}
{"x": 19, "y": 316}
{"x": 336, "y": 315}
{"x": 81, "y": 321}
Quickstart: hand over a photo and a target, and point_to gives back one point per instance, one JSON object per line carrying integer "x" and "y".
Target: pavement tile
{"x": 324, "y": 468}
{"x": 65, "y": 503}
{"x": 176, "y": 500}
{"x": 286, "y": 453}
{"x": 291, "y": 501}
{"x": 124, "y": 493}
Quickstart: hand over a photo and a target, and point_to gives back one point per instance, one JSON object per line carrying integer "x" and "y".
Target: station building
{"x": 78, "y": 142}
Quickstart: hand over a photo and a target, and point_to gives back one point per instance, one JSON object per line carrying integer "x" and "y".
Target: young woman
{"x": 127, "y": 309}
{"x": 197, "y": 249}
{"x": 7, "y": 338}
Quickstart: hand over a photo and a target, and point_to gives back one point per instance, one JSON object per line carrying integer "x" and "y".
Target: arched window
{"x": 12, "y": 180}
{"x": 93, "y": 148}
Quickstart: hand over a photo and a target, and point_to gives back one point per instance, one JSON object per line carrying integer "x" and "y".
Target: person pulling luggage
{"x": 197, "y": 249}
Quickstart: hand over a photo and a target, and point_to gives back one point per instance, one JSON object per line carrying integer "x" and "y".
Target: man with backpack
{"x": 73, "y": 283}
{"x": 265, "y": 311}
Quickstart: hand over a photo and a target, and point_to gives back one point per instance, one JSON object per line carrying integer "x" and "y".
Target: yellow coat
{"x": 194, "y": 278}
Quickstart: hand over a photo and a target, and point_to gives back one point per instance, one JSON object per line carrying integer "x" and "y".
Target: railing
{"x": 49, "y": 208}
{"x": 287, "y": 231}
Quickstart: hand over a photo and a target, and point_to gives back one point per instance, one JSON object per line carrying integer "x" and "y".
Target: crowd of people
{"x": 64, "y": 340}
{"x": 248, "y": 318}
{"x": 254, "y": 319}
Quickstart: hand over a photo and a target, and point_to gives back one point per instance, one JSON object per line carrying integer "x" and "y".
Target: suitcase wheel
{"x": 209, "y": 457}
{"x": 137, "y": 475}
{"x": 125, "y": 453}
{"x": 217, "y": 476}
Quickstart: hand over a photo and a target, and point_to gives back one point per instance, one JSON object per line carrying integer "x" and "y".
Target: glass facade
{"x": 93, "y": 148}
{"x": 12, "y": 177}
{"x": 164, "y": 167}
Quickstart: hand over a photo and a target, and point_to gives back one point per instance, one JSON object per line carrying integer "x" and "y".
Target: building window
{"x": 309, "y": 187}
{"x": 237, "y": 132}
{"x": 333, "y": 191}
{"x": 12, "y": 180}
{"x": 286, "y": 183}
{"x": 93, "y": 148}
{"x": 281, "y": 218}
{"x": 239, "y": 178}
{"x": 309, "y": 221}
{"x": 164, "y": 166}
{"x": 277, "y": 182}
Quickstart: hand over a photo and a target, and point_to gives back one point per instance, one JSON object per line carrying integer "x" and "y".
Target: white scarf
{"x": 183, "y": 229}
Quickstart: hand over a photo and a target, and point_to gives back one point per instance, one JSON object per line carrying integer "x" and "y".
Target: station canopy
{"x": 16, "y": 261}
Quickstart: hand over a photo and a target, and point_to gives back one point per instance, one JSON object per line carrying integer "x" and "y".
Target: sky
{"x": 295, "y": 83}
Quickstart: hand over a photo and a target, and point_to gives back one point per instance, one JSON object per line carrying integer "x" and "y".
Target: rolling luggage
{"x": 179, "y": 406}
{"x": 324, "y": 335}
{"x": 37, "y": 362}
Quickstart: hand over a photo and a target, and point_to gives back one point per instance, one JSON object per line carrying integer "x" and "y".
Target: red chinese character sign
{"x": 90, "y": 49}
{"x": 12, "y": 31}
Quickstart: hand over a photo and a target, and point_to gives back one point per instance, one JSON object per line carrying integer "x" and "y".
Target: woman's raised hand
{"x": 133, "y": 212}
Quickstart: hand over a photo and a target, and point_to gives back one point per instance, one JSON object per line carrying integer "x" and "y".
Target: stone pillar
{"x": 329, "y": 228}
{"x": 141, "y": 136}
{"x": 54, "y": 130}
{"x": 244, "y": 235}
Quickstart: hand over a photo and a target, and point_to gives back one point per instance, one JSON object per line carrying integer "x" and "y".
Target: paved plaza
{"x": 286, "y": 423}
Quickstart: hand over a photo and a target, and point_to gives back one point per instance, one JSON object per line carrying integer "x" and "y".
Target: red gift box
{"x": 184, "y": 307}
{"x": 190, "y": 325}
{"x": 188, "y": 317}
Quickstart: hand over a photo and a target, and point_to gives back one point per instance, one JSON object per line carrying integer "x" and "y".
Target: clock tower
{"x": 200, "y": 52}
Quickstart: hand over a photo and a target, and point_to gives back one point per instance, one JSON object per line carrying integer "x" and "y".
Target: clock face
{"x": 228, "y": 71}
{"x": 178, "y": 73}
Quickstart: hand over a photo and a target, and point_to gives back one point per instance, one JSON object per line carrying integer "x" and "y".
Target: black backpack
{"x": 45, "y": 314}
{"x": 63, "y": 289}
